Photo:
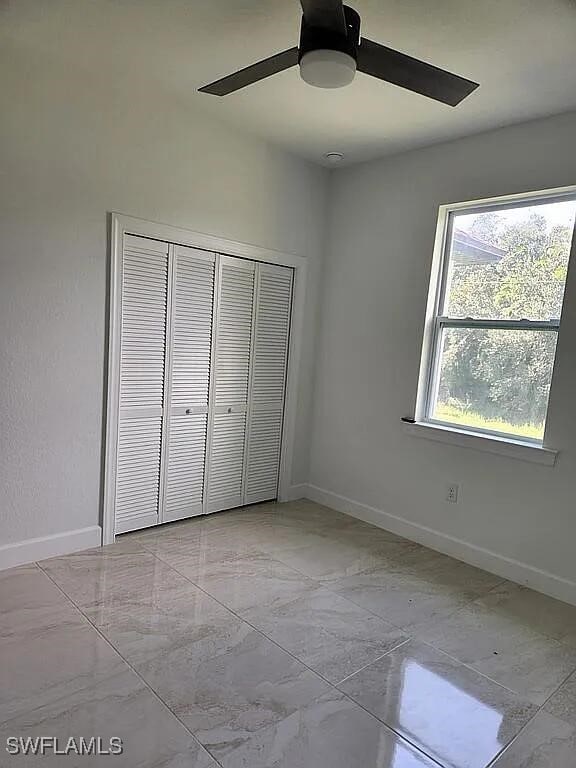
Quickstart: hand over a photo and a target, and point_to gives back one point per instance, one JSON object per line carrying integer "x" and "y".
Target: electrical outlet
{"x": 452, "y": 493}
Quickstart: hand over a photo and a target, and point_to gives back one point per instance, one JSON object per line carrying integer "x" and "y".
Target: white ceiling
{"x": 522, "y": 52}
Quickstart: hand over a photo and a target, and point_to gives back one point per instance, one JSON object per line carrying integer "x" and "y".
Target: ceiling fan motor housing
{"x": 321, "y": 38}
{"x": 331, "y": 52}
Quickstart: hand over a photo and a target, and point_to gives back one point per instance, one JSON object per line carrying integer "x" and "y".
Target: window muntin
{"x": 497, "y": 318}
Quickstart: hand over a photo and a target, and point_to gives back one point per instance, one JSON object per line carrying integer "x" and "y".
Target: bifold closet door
{"x": 273, "y": 305}
{"x": 202, "y": 376}
{"x": 144, "y": 289}
{"x": 187, "y": 385}
{"x": 231, "y": 363}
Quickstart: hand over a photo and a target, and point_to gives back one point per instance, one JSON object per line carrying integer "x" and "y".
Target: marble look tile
{"x": 308, "y": 512}
{"x": 330, "y": 732}
{"x": 294, "y": 524}
{"x": 451, "y": 713}
{"x": 269, "y": 532}
{"x": 546, "y": 742}
{"x": 88, "y": 576}
{"x": 329, "y": 634}
{"x": 231, "y": 524}
{"x": 199, "y": 540}
{"x": 120, "y": 706}
{"x": 328, "y": 522}
{"x": 244, "y": 582}
{"x": 29, "y": 602}
{"x": 277, "y": 538}
{"x": 327, "y": 559}
{"x": 535, "y": 611}
{"x": 417, "y": 589}
{"x": 155, "y": 617}
{"x": 228, "y": 685}
{"x": 503, "y": 649}
{"x": 563, "y": 703}
{"x": 203, "y": 557}
{"x": 51, "y": 663}
{"x": 335, "y": 526}
{"x": 392, "y": 547}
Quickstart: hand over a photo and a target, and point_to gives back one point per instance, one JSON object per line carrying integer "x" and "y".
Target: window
{"x": 496, "y": 314}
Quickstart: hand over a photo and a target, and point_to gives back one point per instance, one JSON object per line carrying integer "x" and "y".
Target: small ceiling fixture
{"x": 331, "y": 51}
{"x": 333, "y": 157}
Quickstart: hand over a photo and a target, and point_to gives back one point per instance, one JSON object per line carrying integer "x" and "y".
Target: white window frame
{"x": 425, "y": 425}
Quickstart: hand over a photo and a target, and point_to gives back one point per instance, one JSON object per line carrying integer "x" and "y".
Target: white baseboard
{"x": 507, "y": 568}
{"x": 296, "y": 492}
{"x": 30, "y": 550}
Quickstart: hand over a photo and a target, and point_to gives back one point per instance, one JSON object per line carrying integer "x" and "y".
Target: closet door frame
{"x": 120, "y": 225}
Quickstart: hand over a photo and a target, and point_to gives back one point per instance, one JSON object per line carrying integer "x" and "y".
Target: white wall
{"x": 71, "y": 149}
{"x": 383, "y": 219}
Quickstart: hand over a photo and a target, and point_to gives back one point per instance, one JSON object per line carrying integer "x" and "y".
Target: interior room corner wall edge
{"x": 70, "y": 154}
{"x": 374, "y": 288}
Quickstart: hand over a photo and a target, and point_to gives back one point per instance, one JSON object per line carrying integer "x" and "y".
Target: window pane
{"x": 509, "y": 263}
{"x": 497, "y": 380}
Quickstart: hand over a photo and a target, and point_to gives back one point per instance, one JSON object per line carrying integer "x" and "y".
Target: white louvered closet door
{"x": 225, "y": 466}
{"x": 273, "y": 305}
{"x": 189, "y": 362}
{"x": 144, "y": 282}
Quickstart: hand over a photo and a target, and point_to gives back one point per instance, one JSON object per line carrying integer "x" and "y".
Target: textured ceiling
{"x": 522, "y": 52}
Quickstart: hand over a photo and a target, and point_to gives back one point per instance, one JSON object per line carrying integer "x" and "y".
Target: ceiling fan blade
{"x": 277, "y": 63}
{"x": 415, "y": 75}
{"x": 326, "y": 14}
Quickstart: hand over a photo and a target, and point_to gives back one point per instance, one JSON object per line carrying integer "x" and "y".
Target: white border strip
{"x": 506, "y": 567}
{"x": 30, "y": 550}
{"x": 478, "y": 441}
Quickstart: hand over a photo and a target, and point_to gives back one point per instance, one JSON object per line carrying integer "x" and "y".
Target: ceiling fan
{"x": 331, "y": 50}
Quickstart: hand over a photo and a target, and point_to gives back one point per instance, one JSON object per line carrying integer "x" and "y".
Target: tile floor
{"x": 284, "y": 636}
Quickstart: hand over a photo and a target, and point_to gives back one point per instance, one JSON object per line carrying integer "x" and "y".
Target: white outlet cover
{"x": 452, "y": 493}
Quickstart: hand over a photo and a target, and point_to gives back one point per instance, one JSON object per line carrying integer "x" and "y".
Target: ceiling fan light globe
{"x": 325, "y": 68}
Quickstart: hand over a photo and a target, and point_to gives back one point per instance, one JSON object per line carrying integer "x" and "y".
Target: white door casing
{"x": 244, "y": 400}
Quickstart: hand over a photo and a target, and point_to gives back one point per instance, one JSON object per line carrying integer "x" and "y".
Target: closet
{"x": 203, "y": 354}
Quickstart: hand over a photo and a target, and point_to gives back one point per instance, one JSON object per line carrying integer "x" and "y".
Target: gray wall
{"x": 375, "y": 283}
{"x": 73, "y": 148}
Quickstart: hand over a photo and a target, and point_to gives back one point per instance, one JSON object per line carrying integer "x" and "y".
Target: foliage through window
{"x": 498, "y": 314}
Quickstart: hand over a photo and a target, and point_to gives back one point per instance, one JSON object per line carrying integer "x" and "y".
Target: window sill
{"x": 513, "y": 449}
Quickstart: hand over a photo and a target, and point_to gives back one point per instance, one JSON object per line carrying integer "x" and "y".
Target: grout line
{"x": 357, "y": 671}
{"x": 273, "y": 558}
{"x": 409, "y": 639}
{"x": 128, "y": 664}
{"x": 487, "y": 677}
{"x": 541, "y": 708}
{"x": 333, "y": 686}
{"x": 406, "y": 630}
{"x": 476, "y": 671}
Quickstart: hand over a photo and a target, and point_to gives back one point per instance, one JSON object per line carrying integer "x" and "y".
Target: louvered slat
{"x": 231, "y": 377}
{"x": 226, "y": 461}
{"x": 191, "y": 337}
{"x": 142, "y": 354}
{"x": 234, "y": 330}
{"x": 269, "y": 360}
